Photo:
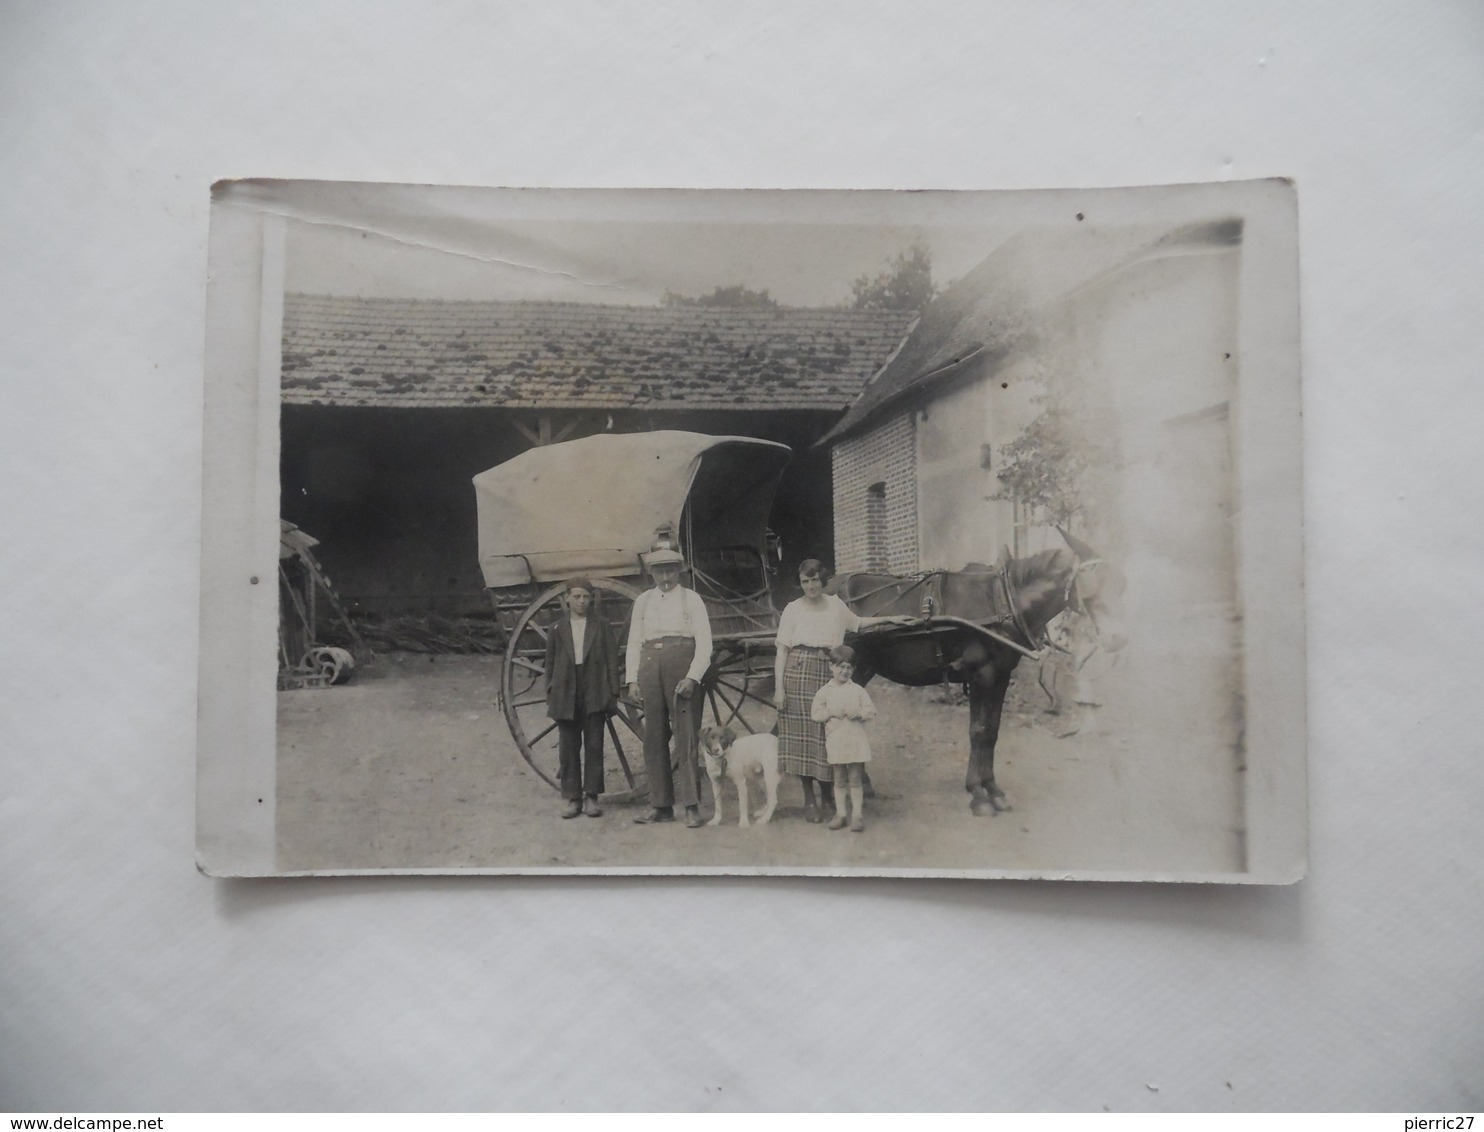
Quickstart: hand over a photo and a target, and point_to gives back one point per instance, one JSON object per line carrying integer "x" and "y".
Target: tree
{"x": 1064, "y": 463}
{"x": 736, "y": 296}
{"x": 1059, "y": 463}
{"x": 907, "y": 285}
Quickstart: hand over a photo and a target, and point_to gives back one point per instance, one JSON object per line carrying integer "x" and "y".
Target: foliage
{"x": 1060, "y": 463}
{"x": 736, "y": 296}
{"x": 905, "y": 286}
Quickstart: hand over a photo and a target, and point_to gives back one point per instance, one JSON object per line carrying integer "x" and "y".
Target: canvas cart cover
{"x": 591, "y": 506}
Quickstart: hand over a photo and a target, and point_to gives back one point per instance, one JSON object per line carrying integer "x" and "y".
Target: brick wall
{"x": 884, "y": 456}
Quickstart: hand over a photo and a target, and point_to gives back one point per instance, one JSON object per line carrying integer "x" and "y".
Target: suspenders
{"x": 684, "y": 614}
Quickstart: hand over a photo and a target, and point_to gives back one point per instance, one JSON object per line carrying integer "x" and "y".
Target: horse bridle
{"x": 1074, "y": 599}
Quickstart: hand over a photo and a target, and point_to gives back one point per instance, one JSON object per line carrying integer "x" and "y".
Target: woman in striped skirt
{"x": 809, "y": 628}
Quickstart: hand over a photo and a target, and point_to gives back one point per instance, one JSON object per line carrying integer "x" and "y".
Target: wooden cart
{"x": 592, "y": 507}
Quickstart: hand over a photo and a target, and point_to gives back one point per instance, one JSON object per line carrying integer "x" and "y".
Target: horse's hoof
{"x": 981, "y": 805}
{"x": 998, "y": 800}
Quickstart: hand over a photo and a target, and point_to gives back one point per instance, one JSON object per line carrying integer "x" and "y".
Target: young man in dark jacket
{"x": 582, "y": 682}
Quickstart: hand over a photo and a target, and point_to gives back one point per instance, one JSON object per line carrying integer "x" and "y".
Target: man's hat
{"x": 663, "y": 550}
{"x": 663, "y": 555}
{"x": 579, "y": 584}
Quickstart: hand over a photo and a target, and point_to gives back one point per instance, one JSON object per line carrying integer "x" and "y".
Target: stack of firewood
{"x": 426, "y": 633}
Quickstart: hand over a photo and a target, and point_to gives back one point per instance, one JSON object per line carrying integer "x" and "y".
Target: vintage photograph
{"x": 835, "y": 533}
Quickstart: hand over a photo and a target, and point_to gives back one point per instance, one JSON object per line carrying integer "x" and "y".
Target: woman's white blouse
{"x": 823, "y": 628}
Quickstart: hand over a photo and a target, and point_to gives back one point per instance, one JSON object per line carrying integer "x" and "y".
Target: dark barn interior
{"x": 391, "y": 406}
{"x": 387, "y": 492}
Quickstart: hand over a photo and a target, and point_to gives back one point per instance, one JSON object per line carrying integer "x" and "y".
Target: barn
{"x": 390, "y": 406}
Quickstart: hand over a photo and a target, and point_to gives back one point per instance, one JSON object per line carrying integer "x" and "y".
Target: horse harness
{"x": 932, "y": 604}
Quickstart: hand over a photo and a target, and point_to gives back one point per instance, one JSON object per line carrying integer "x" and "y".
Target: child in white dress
{"x": 843, "y": 707}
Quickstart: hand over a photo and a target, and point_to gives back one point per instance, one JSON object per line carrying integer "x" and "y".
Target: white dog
{"x": 726, "y": 755}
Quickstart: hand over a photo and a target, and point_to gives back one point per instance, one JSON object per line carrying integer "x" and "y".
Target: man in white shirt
{"x": 669, "y": 650}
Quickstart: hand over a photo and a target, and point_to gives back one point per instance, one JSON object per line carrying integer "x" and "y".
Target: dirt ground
{"x": 411, "y": 766}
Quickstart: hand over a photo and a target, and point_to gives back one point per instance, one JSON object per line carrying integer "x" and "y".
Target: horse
{"x": 974, "y": 627}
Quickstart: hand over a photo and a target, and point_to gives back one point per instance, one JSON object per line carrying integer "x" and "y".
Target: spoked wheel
{"x": 523, "y": 692}
{"x": 739, "y": 687}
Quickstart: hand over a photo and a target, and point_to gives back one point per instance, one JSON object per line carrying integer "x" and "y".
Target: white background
{"x": 128, "y": 981}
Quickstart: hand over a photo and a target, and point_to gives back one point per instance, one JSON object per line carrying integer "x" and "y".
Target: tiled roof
{"x": 340, "y": 350}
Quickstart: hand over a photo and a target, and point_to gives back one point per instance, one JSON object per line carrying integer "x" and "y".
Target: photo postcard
{"x": 836, "y": 533}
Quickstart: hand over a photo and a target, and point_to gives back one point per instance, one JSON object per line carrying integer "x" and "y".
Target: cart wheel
{"x": 523, "y": 692}
{"x": 739, "y": 687}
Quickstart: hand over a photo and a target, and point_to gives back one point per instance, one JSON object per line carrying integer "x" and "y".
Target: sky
{"x": 630, "y": 247}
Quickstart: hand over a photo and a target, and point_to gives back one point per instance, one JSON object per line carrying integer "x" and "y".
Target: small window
{"x": 876, "y": 557}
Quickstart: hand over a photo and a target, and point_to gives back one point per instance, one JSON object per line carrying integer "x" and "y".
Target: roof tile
{"x": 436, "y": 353}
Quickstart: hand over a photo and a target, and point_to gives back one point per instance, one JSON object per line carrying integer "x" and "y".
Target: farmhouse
{"x": 391, "y": 406}
{"x": 1137, "y": 323}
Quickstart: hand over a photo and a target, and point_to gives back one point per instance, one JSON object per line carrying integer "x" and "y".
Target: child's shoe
{"x": 858, "y": 823}
{"x": 591, "y": 807}
{"x": 574, "y": 809}
{"x": 839, "y": 822}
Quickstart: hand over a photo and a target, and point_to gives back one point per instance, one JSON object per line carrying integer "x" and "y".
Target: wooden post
{"x": 520, "y": 427}
{"x": 546, "y": 432}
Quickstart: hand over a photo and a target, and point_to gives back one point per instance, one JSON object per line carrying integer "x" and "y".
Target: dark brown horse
{"x": 977, "y": 625}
